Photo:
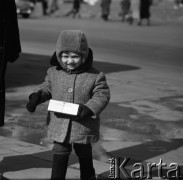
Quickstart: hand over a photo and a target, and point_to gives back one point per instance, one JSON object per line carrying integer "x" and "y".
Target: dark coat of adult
{"x": 9, "y": 22}
{"x": 76, "y": 5}
{"x": 145, "y": 9}
{"x": 10, "y": 47}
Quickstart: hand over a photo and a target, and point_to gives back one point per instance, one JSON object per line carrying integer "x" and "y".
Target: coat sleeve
{"x": 45, "y": 88}
{"x": 12, "y": 37}
{"x": 101, "y": 95}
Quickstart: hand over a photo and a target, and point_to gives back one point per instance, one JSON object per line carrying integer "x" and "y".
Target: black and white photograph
{"x": 91, "y": 89}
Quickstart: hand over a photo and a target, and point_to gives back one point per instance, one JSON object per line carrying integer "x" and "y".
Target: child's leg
{"x": 61, "y": 152}
{"x": 84, "y": 153}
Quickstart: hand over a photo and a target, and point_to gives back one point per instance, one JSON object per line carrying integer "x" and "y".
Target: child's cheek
{"x": 61, "y": 61}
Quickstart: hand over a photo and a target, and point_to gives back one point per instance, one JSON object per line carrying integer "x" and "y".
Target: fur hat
{"x": 73, "y": 41}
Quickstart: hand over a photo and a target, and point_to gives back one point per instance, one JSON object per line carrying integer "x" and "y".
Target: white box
{"x": 63, "y": 107}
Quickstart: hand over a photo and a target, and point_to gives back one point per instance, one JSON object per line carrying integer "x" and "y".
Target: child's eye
{"x": 74, "y": 57}
{"x": 65, "y": 56}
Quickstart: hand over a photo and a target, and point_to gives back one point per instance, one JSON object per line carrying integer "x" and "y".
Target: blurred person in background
{"x": 44, "y": 6}
{"x": 105, "y": 6}
{"x": 52, "y": 6}
{"x": 125, "y": 8}
{"x": 10, "y": 46}
{"x": 145, "y": 11}
{"x": 75, "y": 9}
{"x": 33, "y": 1}
{"x": 178, "y": 4}
{"x": 134, "y": 11}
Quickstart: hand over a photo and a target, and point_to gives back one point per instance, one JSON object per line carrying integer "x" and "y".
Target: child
{"x": 73, "y": 80}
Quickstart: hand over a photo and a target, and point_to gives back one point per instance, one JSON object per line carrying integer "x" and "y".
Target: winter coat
{"x": 10, "y": 46}
{"x": 9, "y": 31}
{"x": 86, "y": 86}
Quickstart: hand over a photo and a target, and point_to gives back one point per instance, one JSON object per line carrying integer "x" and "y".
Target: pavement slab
{"x": 22, "y": 160}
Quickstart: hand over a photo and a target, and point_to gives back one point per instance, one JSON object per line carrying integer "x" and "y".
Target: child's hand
{"x": 84, "y": 112}
{"x": 33, "y": 102}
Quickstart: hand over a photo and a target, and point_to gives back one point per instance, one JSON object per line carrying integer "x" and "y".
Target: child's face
{"x": 71, "y": 60}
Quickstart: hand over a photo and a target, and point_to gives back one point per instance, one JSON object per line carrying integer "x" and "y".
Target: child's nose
{"x": 70, "y": 60}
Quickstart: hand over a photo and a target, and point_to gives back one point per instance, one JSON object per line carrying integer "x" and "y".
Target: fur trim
{"x": 73, "y": 41}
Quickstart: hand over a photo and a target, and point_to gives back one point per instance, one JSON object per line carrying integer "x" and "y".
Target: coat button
{"x": 70, "y": 90}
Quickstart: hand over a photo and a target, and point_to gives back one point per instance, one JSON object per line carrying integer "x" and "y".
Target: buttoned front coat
{"x": 89, "y": 88}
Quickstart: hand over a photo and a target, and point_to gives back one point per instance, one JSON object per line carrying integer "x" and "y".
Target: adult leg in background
{"x": 2, "y": 92}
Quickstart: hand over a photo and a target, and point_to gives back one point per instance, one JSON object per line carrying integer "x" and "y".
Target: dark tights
{"x": 61, "y": 157}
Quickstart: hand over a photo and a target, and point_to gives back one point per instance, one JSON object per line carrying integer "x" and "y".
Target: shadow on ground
{"x": 136, "y": 154}
{"x": 126, "y": 123}
{"x": 31, "y": 69}
{"x": 140, "y": 153}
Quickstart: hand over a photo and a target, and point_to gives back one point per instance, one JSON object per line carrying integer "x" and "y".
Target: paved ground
{"x": 21, "y": 160}
{"x": 143, "y": 121}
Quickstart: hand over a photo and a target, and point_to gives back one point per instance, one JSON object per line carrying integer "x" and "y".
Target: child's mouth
{"x": 71, "y": 66}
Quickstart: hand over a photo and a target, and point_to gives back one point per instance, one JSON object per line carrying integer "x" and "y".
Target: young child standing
{"x": 73, "y": 80}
